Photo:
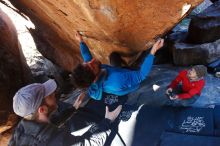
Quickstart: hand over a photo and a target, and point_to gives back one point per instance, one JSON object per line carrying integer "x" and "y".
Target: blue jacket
{"x": 119, "y": 81}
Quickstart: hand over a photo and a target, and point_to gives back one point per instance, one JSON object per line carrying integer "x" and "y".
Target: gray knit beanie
{"x": 201, "y": 70}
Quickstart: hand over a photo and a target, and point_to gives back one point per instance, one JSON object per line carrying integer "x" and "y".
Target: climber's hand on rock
{"x": 78, "y": 36}
{"x": 159, "y": 44}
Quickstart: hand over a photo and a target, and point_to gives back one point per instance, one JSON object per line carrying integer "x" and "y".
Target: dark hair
{"x": 200, "y": 70}
{"x": 82, "y": 76}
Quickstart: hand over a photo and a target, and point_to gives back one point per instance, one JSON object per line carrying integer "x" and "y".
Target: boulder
{"x": 14, "y": 73}
{"x": 205, "y": 27}
{"x": 128, "y": 27}
{"x": 192, "y": 54}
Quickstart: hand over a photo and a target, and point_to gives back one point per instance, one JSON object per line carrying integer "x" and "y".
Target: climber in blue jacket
{"x": 100, "y": 78}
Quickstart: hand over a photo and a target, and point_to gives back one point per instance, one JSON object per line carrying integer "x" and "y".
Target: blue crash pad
{"x": 176, "y": 139}
{"x": 153, "y": 121}
{"x": 196, "y": 121}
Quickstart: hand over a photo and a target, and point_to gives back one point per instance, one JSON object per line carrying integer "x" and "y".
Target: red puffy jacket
{"x": 189, "y": 88}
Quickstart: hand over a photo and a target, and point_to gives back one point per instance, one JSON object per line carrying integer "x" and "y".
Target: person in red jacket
{"x": 187, "y": 86}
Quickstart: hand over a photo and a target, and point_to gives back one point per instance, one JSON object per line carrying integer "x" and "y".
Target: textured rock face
{"x": 201, "y": 44}
{"x": 13, "y": 69}
{"x": 14, "y": 73}
{"x": 205, "y": 27}
{"x": 189, "y": 54}
{"x": 120, "y": 25}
